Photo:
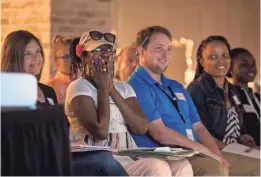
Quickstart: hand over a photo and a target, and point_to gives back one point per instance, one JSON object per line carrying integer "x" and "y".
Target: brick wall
{"x": 31, "y": 15}
{"x": 46, "y": 18}
{"x": 73, "y": 17}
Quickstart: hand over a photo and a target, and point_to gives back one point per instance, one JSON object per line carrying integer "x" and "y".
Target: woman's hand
{"x": 102, "y": 75}
{"x": 225, "y": 163}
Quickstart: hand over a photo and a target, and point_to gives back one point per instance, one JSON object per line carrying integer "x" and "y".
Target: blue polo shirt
{"x": 155, "y": 104}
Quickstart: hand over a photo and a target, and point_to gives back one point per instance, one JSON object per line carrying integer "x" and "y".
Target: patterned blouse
{"x": 232, "y": 132}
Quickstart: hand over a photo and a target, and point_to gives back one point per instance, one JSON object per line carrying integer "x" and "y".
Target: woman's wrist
{"x": 106, "y": 90}
{"x": 113, "y": 90}
{"x": 246, "y": 139}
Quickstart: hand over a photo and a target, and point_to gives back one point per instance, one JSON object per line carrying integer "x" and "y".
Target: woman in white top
{"x": 101, "y": 112}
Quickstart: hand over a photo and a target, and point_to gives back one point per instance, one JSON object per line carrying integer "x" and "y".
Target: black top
{"x": 251, "y": 113}
{"x": 49, "y": 95}
{"x": 210, "y": 102}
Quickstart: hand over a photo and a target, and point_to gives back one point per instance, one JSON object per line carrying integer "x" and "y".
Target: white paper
{"x": 162, "y": 149}
{"x": 242, "y": 150}
{"x": 86, "y": 148}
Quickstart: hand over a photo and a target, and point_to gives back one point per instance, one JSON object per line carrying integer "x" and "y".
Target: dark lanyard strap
{"x": 173, "y": 100}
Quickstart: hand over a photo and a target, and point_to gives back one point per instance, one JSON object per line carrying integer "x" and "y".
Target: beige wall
{"x": 237, "y": 20}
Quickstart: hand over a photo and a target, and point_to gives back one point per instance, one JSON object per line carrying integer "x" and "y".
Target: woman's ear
{"x": 201, "y": 62}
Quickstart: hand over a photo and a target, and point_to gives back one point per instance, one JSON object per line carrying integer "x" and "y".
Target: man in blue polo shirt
{"x": 173, "y": 118}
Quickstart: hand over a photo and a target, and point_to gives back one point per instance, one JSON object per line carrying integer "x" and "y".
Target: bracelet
{"x": 248, "y": 140}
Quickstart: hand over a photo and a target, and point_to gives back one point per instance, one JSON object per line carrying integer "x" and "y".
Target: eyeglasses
{"x": 142, "y": 44}
{"x": 96, "y": 35}
{"x": 65, "y": 57}
{"x": 109, "y": 51}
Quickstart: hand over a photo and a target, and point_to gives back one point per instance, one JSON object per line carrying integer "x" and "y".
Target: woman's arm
{"x": 95, "y": 121}
{"x": 219, "y": 143}
{"x": 131, "y": 112}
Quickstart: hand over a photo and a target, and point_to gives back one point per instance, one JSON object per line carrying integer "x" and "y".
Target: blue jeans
{"x": 98, "y": 163}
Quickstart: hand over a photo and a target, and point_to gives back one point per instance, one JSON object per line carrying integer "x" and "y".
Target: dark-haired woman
{"x": 243, "y": 70}
{"x": 218, "y": 104}
{"x": 22, "y": 52}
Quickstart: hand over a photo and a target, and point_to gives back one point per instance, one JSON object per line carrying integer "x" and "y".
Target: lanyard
{"x": 173, "y": 100}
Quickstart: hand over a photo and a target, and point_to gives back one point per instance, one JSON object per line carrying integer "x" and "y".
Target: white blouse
{"x": 82, "y": 86}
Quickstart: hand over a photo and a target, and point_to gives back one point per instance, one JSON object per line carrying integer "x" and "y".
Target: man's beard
{"x": 159, "y": 70}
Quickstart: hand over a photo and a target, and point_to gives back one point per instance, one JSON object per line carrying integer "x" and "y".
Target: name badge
{"x": 249, "y": 108}
{"x": 190, "y": 134}
{"x": 50, "y": 100}
{"x": 236, "y": 100}
{"x": 180, "y": 96}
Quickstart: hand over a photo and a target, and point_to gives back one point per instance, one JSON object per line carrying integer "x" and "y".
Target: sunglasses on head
{"x": 96, "y": 35}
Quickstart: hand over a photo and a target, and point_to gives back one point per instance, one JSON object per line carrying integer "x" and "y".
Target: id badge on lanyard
{"x": 190, "y": 134}
{"x": 173, "y": 100}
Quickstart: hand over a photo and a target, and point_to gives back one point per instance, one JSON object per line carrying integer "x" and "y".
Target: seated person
{"x": 62, "y": 58}
{"x": 101, "y": 112}
{"x": 126, "y": 63}
{"x": 243, "y": 70}
{"x": 23, "y": 52}
{"x": 173, "y": 118}
{"x": 217, "y": 102}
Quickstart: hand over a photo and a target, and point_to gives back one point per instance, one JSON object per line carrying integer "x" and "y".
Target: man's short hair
{"x": 143, "y": 37}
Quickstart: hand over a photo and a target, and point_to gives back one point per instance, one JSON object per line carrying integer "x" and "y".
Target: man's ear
{"x": 140, "y": 51}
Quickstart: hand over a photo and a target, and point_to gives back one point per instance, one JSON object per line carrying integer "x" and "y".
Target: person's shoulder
{"x": 48, "y": 91}
{"x": 121, "y": 85}
{"x": 79, "y": 81}
{"x": 234, "y": 88}
{"x": 195, "y": 90}
{"x": 134, "y": 79}
{"x": 125, "y": 89}
{"x": 45, "y": 88}
{"x": 195, "y": 84}
{"x": 137, "y": 82}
